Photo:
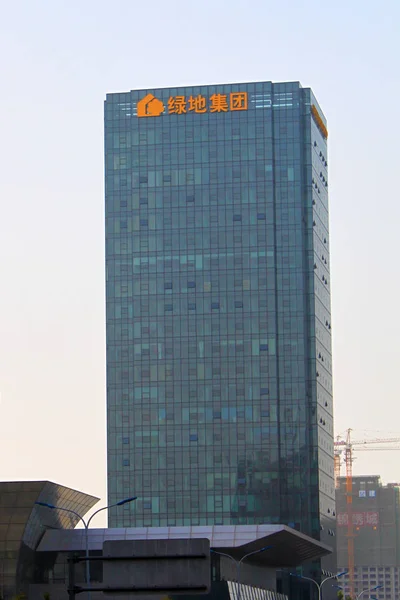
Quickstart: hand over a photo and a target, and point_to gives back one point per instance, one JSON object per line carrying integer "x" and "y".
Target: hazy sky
{"x": 58, "y": 60}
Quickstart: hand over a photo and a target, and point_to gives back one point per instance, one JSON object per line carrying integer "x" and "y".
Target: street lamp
{"x": 319, "y": 585}
{"x": 86, "y": 526}
{"x": 377, "y": 587}
{"x": 238, "y": 563}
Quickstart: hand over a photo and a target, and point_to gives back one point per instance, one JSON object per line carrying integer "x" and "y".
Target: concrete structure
{"x": 376, "y": 520}
{"x": 35, "y": 542}
{"x": 219, "y": 374}
{"x": 260, "y": 573}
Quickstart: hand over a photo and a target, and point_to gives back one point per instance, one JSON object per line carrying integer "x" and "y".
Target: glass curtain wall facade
{"x": 219, "y": 375}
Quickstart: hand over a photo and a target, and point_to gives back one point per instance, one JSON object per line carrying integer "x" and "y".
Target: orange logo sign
{"x": 149, "y": 106}
{"x": 319, "y": 122}
{"x": 238, "y": 101}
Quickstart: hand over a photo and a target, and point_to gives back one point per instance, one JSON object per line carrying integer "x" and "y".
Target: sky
{"x": 58, "y": 59}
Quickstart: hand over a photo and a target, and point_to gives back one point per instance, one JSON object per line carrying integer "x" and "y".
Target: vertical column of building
{"x": 290, "y": 306}
{"x": 119, "y": 290}
{"x": 316, "y": 221}
{"x": 269, "y": 494}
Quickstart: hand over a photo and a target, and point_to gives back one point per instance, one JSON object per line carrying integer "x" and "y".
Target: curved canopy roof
{"x": 288, "y": 547}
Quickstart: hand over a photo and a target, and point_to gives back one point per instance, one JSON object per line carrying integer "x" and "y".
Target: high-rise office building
{"x": 219, "y": 376}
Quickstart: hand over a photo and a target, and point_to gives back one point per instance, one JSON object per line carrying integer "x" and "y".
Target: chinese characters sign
{"x": 360, "y": 519}
{"x": 150, "y": 106}
{"x": 363, "y": 493}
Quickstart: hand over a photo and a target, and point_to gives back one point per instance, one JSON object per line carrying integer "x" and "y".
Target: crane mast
{"x": 349, "y": 504}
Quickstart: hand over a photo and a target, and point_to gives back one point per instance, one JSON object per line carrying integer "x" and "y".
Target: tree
{"x": 340, "y": 596}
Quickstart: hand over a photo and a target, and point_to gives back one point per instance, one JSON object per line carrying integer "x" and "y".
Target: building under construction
{"x": 375, "y": 517}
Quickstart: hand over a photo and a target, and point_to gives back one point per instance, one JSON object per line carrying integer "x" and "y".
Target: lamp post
{"x": 238, "y": 563}
{"x": 319, "y": 585}
{"x": 86, "y": 526}
{"x": 377, "y": 587}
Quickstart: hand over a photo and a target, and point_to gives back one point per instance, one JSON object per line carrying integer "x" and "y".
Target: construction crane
{"x": 346, "y": 446}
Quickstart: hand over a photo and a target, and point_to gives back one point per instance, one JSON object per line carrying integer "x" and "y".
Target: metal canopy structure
{"x": 23, "y": 523}
{"x": 289, "y": 547}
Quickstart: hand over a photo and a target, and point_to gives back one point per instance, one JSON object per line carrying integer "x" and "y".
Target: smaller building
{"x": 261, "y": 575}
{"x": 35, "y": 542}
{"x": 376, "y": 526}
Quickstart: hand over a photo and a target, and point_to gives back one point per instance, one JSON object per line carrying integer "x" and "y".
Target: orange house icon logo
{"x": 149, "y": 106}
